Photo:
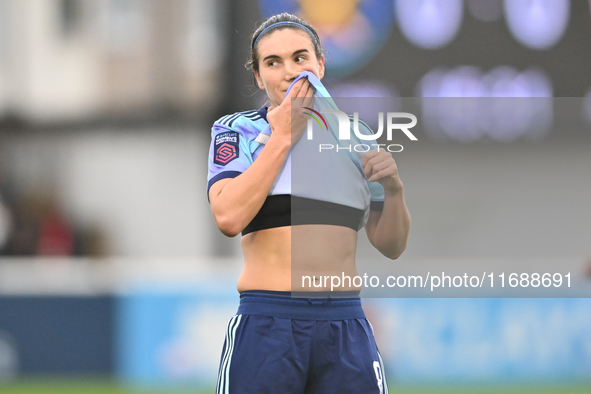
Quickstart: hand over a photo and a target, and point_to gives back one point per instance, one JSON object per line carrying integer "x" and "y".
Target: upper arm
{"x": 376, "y": 192}
{"x": 215, "y": 190}
{"x": 371, "y": 225}
{"x": 229, "y": 157}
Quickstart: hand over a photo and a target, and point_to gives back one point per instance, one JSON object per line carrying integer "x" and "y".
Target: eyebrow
{"x": 293, "y": 54}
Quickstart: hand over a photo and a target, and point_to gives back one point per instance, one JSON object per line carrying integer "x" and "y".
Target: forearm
{"x": 237, "y": 202}
{"x": 392, "y": 226}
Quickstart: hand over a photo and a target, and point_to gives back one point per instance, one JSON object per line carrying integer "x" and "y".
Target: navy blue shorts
{"x": 279, "y": 344}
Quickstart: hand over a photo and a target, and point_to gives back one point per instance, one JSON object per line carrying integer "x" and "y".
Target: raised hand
{"x": 379, "y": 166}
{"x": 288, "y": 122}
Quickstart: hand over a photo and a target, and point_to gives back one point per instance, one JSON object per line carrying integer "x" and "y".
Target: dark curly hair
{"x": 295, "y": 23}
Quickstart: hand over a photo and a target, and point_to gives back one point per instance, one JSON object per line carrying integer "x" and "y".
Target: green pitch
{"x": 55, "y": 386}
{"x": 52, "y": 386}
{"x": 500, "y": 390}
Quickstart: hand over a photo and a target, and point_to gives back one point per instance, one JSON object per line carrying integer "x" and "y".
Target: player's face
{"x": 283, "y": 55}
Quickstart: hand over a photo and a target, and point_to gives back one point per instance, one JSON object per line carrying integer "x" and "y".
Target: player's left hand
{"x": 379, "y": 165}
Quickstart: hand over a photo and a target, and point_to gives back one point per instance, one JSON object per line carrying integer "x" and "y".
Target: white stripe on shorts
{"x": 381, "y": 361}
{"x": 223, "y": 384}
{"x": 384, "y": 381}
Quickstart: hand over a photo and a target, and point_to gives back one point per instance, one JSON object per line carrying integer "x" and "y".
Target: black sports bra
{"x": 287, "y": 210}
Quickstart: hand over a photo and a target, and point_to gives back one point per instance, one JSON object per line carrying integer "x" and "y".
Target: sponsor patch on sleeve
{"x": 226, "y": 147}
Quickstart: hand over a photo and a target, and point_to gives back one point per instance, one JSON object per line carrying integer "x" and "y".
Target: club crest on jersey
{"x": 226, "y": 147}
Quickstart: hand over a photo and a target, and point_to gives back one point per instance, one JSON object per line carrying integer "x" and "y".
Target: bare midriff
{"x": 282, "y": 258}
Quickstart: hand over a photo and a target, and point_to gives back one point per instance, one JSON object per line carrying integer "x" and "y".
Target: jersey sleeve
{"x": 229, "y": 155}
{"x": 376, "y": 190}
{"x": 377, "y": 196}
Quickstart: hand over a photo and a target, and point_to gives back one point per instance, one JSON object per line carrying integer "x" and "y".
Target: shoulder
{"x": 239, "y": 129}
{"x": 247, "y": 123}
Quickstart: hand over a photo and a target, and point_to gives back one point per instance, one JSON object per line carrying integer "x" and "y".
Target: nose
{"x": 291, "y": 71}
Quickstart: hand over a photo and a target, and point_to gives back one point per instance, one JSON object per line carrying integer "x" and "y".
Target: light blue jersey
{"x": 335, "y": 177}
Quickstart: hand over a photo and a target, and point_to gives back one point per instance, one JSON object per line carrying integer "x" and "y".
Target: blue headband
{"x": 284, "y": 23}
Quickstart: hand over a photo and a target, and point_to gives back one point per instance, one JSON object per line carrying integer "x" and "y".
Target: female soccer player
{"x": 276, "y": 343}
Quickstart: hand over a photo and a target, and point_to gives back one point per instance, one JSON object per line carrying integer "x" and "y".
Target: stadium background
{"x": 113, "y": 275}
